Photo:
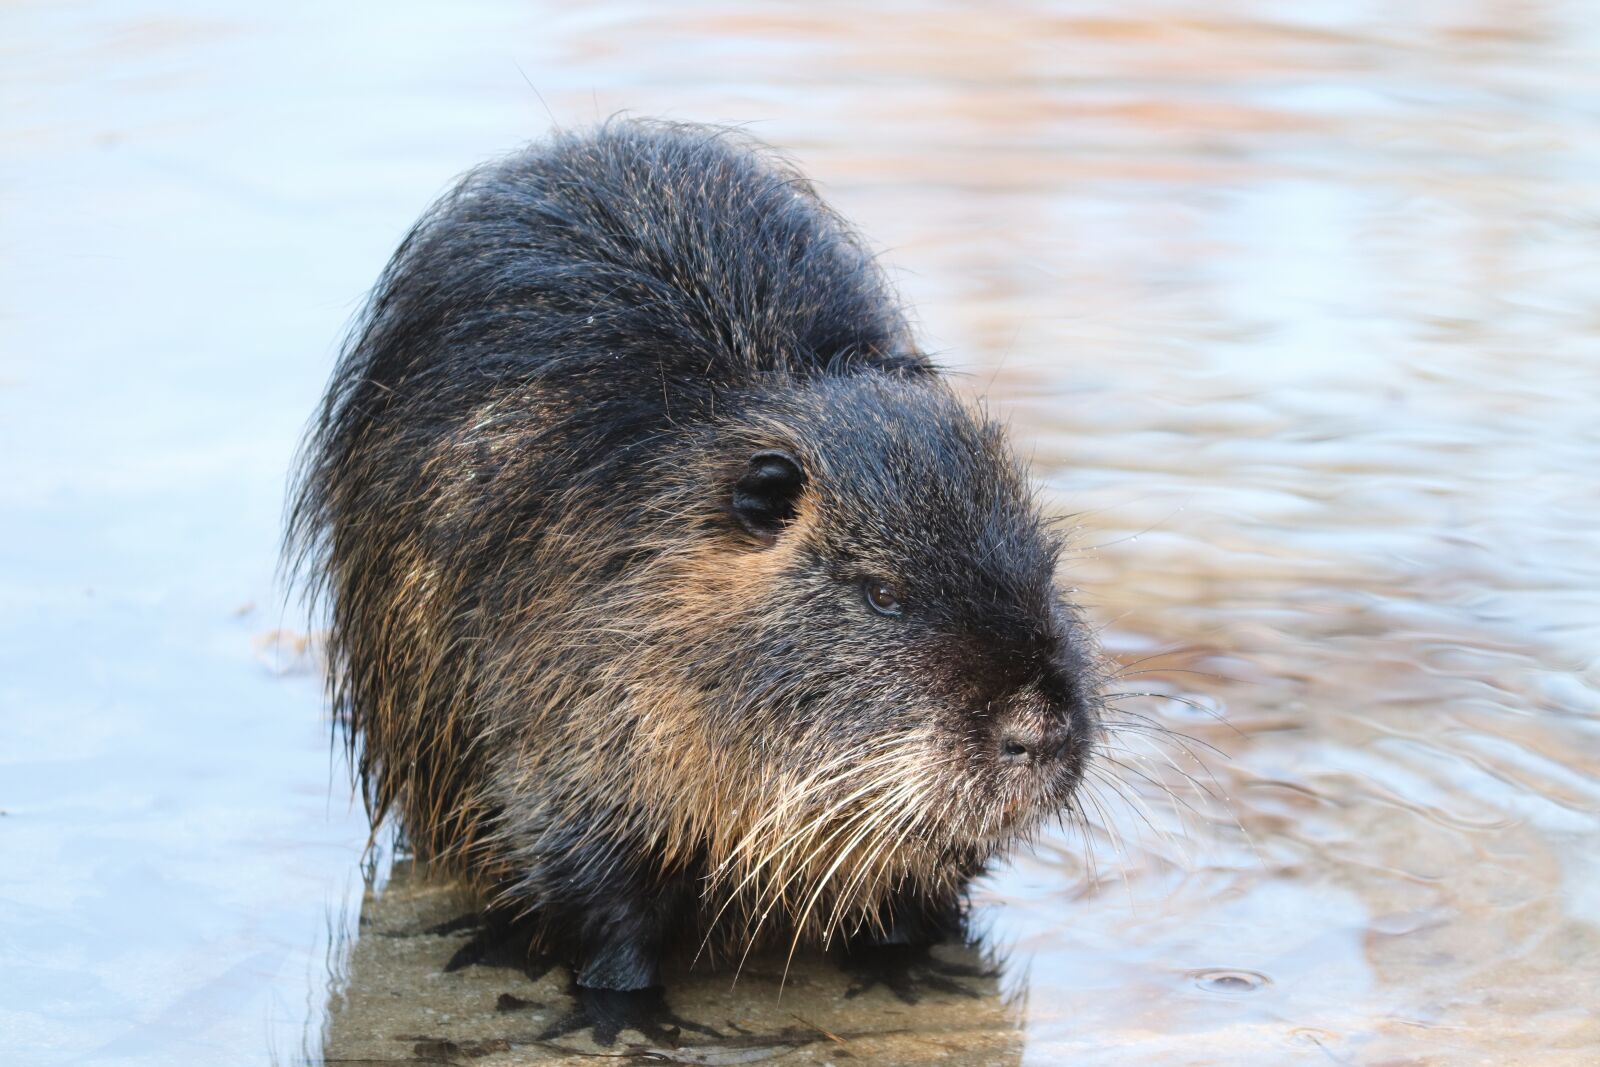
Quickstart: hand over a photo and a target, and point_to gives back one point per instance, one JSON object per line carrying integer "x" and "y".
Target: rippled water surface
{"x": 1295, "y": 307}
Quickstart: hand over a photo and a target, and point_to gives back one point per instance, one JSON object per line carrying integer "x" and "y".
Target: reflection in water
{"x": 1294, "y": 307}
{"x": 405, "y": 994}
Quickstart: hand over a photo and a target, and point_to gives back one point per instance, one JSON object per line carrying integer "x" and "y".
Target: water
{"x": 1294, "y": 306}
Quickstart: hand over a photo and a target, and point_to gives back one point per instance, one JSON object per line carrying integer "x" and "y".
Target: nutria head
{"x": 878, "y": 635}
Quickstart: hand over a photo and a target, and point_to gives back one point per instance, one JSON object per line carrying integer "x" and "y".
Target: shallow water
{"x": 1294, "y": 306}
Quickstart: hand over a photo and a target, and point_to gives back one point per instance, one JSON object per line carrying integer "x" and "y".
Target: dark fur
{"x": 629, "y": 418}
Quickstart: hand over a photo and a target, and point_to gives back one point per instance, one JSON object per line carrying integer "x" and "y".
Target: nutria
{"x": 676, "y": 598}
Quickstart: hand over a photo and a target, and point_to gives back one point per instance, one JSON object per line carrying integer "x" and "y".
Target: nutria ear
{"x": 764, "y": 499}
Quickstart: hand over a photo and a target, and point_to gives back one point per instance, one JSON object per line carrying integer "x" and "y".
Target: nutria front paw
{"x": 605, "y": 1013}
{"x": 494, "y": 945}
{"x": 908, "y": 971}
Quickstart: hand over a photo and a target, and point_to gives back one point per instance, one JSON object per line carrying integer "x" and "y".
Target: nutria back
{"x": 675, "y": 597}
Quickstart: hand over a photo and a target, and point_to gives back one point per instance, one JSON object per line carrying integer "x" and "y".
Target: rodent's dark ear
{"x": 765, "y": 498}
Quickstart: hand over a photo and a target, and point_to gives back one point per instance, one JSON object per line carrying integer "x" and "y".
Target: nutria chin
{"x": 676, "y": 599}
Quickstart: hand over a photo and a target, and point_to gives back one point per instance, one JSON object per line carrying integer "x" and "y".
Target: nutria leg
{"x": 909, "y": 971}
{"x": 620, "y": 941}
{"x": 913, "y": 921}
{"x": 617, "y": 985}
{"x": 897, "y": 958}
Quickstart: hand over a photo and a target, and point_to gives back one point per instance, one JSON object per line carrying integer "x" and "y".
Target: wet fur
{"x": 567, "y": 669}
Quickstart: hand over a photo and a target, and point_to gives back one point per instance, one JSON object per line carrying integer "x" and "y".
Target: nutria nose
{"x": 1019, "y": 745}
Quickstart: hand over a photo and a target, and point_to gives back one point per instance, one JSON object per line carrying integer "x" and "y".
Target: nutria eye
{"x": 882, "y": 596}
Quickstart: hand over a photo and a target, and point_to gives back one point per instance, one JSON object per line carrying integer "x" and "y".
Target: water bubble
{"x": 1229, "y": 982}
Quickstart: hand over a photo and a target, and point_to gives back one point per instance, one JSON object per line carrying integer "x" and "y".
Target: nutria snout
{"x": 676, "y": 599}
